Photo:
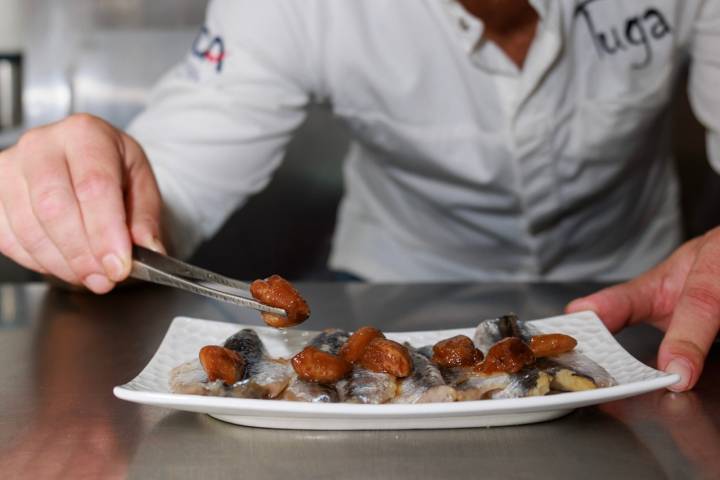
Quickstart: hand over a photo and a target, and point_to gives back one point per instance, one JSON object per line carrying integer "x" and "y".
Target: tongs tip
{"x": 164, "y": 270}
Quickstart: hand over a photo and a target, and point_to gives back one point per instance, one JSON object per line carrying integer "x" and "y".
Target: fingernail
{"x": 157, "y": 246}
{"x": 681, "y": 367}
{"x": 98, "y": 283}
{"x": 113, "y": 266}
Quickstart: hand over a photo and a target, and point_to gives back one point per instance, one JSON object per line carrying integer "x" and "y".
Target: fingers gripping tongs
{"x": 158, "y": 268}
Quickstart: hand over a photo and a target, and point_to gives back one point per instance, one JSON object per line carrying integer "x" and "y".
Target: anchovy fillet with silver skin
{"x": 571, "y": 371}
{"x": 248, "y": 344}
{"x": 190, "y": 378}
{"x": 426, "y": 351}
{"x": 330, "y": 340}
{"x": 481, "y": 387}
{"x": 472, "y": 385}
{"x": 365, "y": 386}
{"x": 298, "y": 390}
{"x": 264, "y": 377}
{"x": 301, "y": 391}
{"x": 489, "y": 332}
{"x": 529, "y": 382}
{"x": 425, "y": 384}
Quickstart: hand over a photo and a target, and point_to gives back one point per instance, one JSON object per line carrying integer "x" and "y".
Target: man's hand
{"x": 74, "y": 196}
{"x": 680, "y": 296}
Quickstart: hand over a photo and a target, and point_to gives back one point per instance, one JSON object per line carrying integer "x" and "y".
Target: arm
{"x": 218, "y": 124}
{"x": 681, "y": 295}
{"x": 76, "y": 194}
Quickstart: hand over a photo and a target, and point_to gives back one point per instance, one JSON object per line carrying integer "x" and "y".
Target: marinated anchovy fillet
{"x": 471, "y": 385}
{"x": 482, "y": 387}
{"x": 330, "y": 340}
{"x": 264, "y": 377}
{"x": 425, "y": 384}
{"x": 425, "y": 351}
{"x": 530, "y": 382}
{"x": 190, "y": 378}
{"x": 270, "y": 378}
{"x": 570, "y": 371}
{"x": 249, "y": 345}
{"x": 456, "y": 375}
{"x": 365, "y": 386}
{"x": 489, "y": 332}
{"x": 574, "y": 372}
{"x": 302, "y": 391}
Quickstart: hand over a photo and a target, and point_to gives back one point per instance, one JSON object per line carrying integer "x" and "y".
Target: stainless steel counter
{"x": 61, "y": 354}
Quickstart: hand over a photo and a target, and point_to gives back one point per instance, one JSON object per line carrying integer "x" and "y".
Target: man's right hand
{"x": 74, "y": 196}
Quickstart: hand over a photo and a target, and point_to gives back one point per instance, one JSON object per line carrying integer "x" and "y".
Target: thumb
{"x": 690, "y": 334}
{"x": 144, "y": 203}
{"x": 683, "y": 356}
{"x": 687, "y": 342}
{"x": 696, "y": 318}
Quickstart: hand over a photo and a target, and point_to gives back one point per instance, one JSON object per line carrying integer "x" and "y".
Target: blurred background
{"x": 102, "y": 56}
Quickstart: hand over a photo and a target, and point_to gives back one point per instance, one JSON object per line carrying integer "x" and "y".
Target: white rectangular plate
{"x": 186, "y": 336}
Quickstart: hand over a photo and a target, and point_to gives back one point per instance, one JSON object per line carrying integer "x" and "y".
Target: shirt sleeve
{"x": 217, "y": 125}
{"x": 704, "y": 84}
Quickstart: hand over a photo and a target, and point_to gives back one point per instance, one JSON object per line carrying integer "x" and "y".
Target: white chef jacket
{"x": 462, "y": 166}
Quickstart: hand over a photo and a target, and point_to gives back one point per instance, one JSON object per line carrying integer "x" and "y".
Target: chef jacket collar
{"x": 470, "y": 29}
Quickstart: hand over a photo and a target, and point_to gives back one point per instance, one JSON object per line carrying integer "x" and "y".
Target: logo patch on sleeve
{"x": 209, "y": 48}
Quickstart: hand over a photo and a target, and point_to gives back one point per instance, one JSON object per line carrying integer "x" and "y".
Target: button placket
{"x": 536, "y": 182}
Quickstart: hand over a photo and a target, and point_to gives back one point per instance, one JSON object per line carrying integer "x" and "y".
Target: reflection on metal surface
{"x": 681, "y": 430}
{"x": 74, "y": 425}
{"x": 8, "y": 306}
{"x": 558, "y": 449}
{"x": 18, "y": 303}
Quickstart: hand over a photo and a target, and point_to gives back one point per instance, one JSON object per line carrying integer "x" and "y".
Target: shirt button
{"x": 463, "y": 24}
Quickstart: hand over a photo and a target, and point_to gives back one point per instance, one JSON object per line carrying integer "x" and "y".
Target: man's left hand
{"x": 681, "y": 296}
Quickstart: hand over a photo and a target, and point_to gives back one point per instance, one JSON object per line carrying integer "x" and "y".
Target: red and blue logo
{"x": 210, "y": 48}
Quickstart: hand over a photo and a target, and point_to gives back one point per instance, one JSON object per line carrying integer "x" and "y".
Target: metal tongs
{"x": 158, "y": 268}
